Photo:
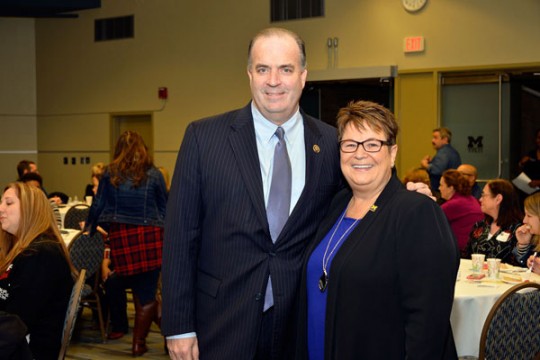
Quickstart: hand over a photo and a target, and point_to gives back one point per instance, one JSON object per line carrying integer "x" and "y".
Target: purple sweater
{"x": 462, "y": 213}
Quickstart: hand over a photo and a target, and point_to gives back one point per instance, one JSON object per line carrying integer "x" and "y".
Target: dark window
{"x": 114, "y": 28}
{"x": 295, "y": 9}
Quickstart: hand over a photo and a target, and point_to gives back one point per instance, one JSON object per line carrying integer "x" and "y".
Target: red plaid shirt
{"x": 135, "y": 248}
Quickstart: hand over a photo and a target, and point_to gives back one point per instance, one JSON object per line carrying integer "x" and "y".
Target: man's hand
{"x": 534, "y": 183}
{"x": 421, "y": 188}
{"x": 183, "y": 349}
{"x": 425, "y": 161}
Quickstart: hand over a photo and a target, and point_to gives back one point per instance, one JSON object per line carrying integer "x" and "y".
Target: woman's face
{"x": 10, "y": 211}
{"x": 364, "y": 171}
{"x": 489, "y": 203}
{"x": 446, "y": 191}
{"x": 533, "y": 221}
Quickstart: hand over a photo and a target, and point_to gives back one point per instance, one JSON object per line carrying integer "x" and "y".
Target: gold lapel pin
{"x": 316, "y": 149}
{"x": 373, "y": 208}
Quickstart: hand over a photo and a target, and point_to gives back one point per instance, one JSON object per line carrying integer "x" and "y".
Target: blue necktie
{"x": 279, "y": 199}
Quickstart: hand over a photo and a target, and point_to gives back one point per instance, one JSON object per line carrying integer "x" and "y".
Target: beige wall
{"x": 199, "y": 52}
{"x": 18, "y": 137}
{"x": 416, "y": 109}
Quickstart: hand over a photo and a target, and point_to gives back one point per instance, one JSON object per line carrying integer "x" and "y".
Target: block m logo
{"x": 475, "y": 144}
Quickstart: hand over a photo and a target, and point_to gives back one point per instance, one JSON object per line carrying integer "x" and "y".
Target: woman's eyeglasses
{"x": 371, "y": 145}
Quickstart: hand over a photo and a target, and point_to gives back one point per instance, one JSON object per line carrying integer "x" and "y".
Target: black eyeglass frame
{"x": 358, "y": 143}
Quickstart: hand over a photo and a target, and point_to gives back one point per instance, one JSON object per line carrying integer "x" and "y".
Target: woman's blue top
{"x": 316, "y": 299}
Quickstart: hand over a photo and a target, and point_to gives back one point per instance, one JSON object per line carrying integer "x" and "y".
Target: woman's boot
{"x": 157, "y": 320}
{"x": 144, "y": 315}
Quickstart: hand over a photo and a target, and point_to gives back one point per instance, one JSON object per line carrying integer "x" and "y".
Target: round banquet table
{"x": 472, "y": 303}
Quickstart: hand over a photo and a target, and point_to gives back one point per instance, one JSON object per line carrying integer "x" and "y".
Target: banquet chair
{"x": 75, "y": 215}
{"x": 71, "y": 313}
{"x": 86, "y": 252}
{"x": 512, "y": 325}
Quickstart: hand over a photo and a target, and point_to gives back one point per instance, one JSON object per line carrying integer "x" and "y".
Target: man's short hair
{"x": 30, "y": 176}
{"x": 445, "y": 133}
{"x": 23, "y": 167}
{"x": 275, "y": 31}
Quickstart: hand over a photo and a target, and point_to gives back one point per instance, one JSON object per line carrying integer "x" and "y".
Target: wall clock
{"x": 413, "y": 5}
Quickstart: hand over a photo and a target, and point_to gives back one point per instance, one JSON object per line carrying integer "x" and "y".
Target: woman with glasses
{"x": 369, "y": 279}
{"x": 495, "y": 235}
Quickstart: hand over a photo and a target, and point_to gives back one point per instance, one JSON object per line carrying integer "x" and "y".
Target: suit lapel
{"x": 244, "y": 147}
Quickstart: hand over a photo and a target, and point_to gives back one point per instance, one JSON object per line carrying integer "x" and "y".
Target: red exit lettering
{"x": 413, "y": 44}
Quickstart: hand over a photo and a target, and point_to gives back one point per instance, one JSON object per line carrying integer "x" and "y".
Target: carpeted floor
{"x": 86, "y": 342}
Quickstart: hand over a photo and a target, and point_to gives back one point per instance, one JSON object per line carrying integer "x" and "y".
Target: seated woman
{"x": 36, "y": 275}
{"x": 418, "y": 175}
{"x": 528, "y": 235}
{"x": 495, "y": 235}
{"x": 97, "y": 173}
{"x": 461, "y": 208}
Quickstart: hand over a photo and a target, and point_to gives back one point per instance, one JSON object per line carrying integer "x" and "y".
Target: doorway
{"x": 475, "y": 107}
{"x": 323, "y": 99}
{"x": 141, "y": 123}
{"x": 493, "y": 117}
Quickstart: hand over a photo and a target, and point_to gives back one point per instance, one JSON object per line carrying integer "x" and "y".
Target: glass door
{"x": 476, "y": 108}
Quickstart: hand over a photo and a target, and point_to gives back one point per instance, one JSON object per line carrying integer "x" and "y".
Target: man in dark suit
{"x": 229, "y": 282}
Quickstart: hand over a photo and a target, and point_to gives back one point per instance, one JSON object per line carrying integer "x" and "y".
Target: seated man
{"x": 59, "y": 197}
{"x": 34, "y": 179}
{"x": 471, "y": 174}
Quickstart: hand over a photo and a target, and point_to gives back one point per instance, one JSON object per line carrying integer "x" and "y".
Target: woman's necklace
{"x": 323, "y": 280}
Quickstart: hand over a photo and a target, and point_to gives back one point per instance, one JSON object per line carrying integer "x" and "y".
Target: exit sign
{"x": 413, "y": 44}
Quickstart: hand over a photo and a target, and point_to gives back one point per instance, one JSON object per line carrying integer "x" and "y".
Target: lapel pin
{"x": 373, "y": 208}
{"x": 316, "y": 149}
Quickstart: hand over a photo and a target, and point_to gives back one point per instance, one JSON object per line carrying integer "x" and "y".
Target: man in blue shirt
{"x": 446, "y": 157}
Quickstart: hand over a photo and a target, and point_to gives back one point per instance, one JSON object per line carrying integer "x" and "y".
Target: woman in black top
{"x": 36, "y": 275}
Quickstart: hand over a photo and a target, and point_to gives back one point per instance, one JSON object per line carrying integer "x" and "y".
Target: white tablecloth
{"x": 472, "y": 303}
{"x": 63, "y": 209}
{"x": 68, "y": 235}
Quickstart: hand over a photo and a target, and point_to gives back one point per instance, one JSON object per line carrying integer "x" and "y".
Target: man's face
{"x": 32, "y": 168}
{"x": 437, "y": 141}
{"x": 276, "y": 77}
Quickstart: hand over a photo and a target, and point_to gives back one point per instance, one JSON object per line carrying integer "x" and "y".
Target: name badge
{"x": 503, "y": 236}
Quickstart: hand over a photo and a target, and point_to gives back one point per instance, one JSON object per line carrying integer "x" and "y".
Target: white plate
{"x": 512, "y": 281}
